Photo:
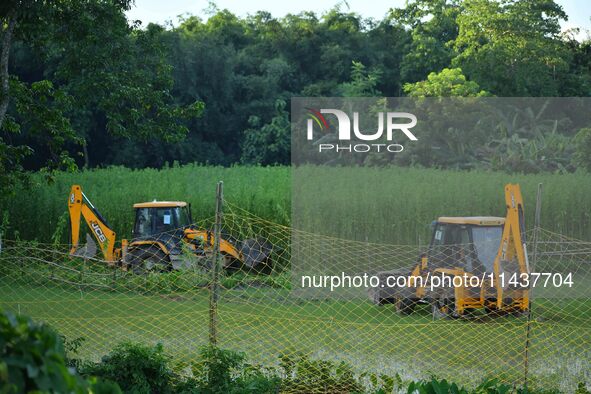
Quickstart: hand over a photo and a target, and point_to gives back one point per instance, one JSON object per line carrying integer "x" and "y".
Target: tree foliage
{"x": 447, "y": 83}
{"x": 269, "y": 143}
{"x": 433, "y": 29}
{"x": 511, "y": 47}
{"x": 103, "y": 90}
{"x": 88, "y": 73}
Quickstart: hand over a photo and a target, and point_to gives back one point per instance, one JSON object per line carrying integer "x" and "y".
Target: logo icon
{"x": 317, "y": 117}
{"x": 389, "y": 123}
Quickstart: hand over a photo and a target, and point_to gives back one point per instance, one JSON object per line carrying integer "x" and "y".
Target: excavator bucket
{"x": 88, "y": 251}
{"x": 254, "y": 252}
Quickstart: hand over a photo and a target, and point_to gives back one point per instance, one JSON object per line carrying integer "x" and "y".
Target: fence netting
{"x": 265, "y": 310}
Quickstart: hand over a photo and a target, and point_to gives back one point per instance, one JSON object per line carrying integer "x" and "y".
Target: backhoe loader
{"x": 164, "y": 238}
{"x": 490, "y": 250}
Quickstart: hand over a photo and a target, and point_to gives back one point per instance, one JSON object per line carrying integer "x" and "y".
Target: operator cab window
{"x": 154, "y": 221}
{"x": 440, "y": 252}
{"x": 486, "y": 242}
{"x": 182, "y": 217}
{"x": 465, "y": 255}
{"x": 165, "y": 220}
{"x": 451, "y": 247}
{"x": 143, "y": 221}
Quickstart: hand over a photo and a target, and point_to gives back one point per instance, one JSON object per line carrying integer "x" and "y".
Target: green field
{"x": 106, "y": 307}
{"x": 34, "y": 213}
{"x": 263, "y": 317}
{"x": 393, "y": 204}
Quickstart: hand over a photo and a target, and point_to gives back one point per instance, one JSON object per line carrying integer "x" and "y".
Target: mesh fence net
{"x": 263, "y": 311}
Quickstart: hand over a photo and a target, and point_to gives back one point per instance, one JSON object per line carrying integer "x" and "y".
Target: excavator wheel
{"x": 376, "y": 298}
{"x": 520, "y": 313}
{"x": 444, "y": 308}
{"x": 404, "y": 306}
{"x": 146, "y": 260}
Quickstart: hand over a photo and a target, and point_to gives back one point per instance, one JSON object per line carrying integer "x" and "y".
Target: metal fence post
{"x": 215, "y": 277}
{"x": 534, "y": 259}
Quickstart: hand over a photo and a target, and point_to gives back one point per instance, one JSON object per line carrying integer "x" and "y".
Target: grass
{"x": 266, "y": 322}
{"x": 396, "y": 205}
{"x": 263, "y": 318}
{"x": 393, "y": 205}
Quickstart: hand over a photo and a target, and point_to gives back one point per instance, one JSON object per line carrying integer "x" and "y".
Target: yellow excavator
{"x": 489, "y": 250}
{"x": 164, "y": 238}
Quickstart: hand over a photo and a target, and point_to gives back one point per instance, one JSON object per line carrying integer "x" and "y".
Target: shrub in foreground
{"x": 143, "y": 369}
{"x": 32, "y": 359}
{"x": 136, "y": 368}
{"x": 303, "y": 375}
{"x": 226, "y": 371}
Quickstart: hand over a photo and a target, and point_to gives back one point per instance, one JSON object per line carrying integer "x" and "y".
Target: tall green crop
{"x": 393, "y": 204}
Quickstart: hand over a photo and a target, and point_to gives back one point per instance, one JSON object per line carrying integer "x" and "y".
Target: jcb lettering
{"x": 98, "y": 231}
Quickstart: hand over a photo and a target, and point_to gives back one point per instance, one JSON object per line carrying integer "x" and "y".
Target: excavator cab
{"x": 158, "y": 217}
{"x": 470, "y": 243}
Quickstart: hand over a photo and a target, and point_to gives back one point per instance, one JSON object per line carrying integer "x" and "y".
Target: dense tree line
{"x": 81, "y": 85}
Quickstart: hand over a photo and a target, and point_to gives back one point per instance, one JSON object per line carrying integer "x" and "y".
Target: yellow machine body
{"x": 79, "y": 206}
{"x": 511, "y": 252}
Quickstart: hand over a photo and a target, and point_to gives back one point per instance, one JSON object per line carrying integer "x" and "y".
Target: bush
{"x": 225, "y": 371}
{"x": 303, "y": 375}
{"x": 491, "y": 386}
{"x": 136, "y": 368}
{"x": 33, "y": 359}
{"x": 70, "y": 351}
{"x": 144, "y": 369}
{"x": 582, "y": 389}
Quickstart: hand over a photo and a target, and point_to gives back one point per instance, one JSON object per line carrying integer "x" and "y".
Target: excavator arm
{"x": 249, "y": 252}
{"x": 513, "y": 248}
{"x": 80, "y": 205}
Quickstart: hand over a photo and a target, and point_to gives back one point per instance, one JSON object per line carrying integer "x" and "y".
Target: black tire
{"x": 147, "y": 260}
{"x": 374, "y": 295}
{"x": 444, "y": 308}
{"x": 520, "y": 313}
{"x": 492, "y": 312}
{"x": 404, "y": 306}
